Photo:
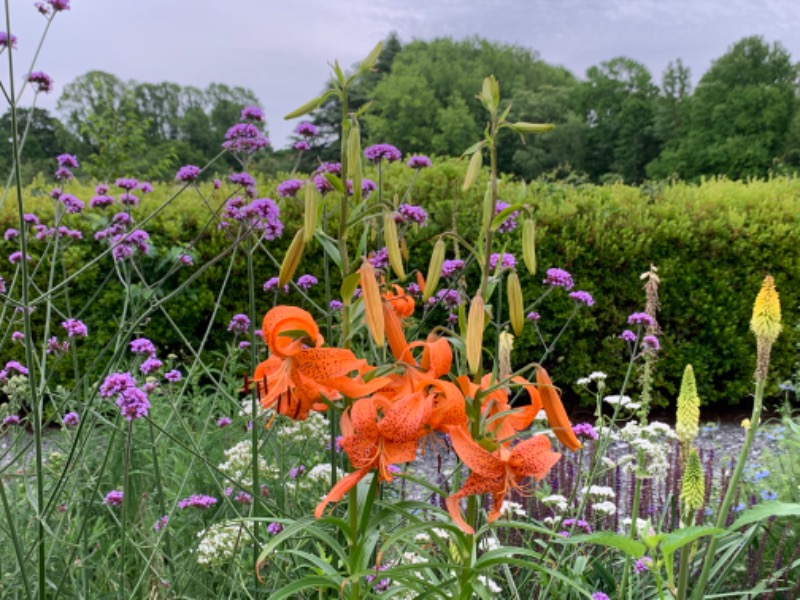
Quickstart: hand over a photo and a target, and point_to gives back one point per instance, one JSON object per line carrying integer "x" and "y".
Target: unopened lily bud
{"x": 688, "y": 422}
{"x": 504, "y": 354}
{"x": 529, "y": 245}
{"x": 311, "y": 209}
{"x": 473, "y": 170}
{"x": 373, "y": 305}
{"x": 515, "y": 304}
{"x": 292, "y": 259}
{"x": 393, "y": 245}
{"x": 475, "y": 323}
{"x": 693, "y": 486}
{"x": 434, "y": 269}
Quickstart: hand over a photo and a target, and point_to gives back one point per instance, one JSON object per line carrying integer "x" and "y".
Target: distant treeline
{"x": 740, "y": 121}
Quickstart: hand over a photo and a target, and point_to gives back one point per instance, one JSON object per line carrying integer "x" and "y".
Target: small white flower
{"x": 488, "y": 543}
{"x": 489, "y": 584}
{"x": 632, "y": 406}
{"x": 606, "y": 507}
{"x": 614, "y": 400}
{"x": 583, "y": 381}
{"x": 599, "y": 491}
{"x": 540, "y": 416}
{"x": 513, "y": 508}
{"x": 597, "y": 375}
{"x": 608, "y": 462}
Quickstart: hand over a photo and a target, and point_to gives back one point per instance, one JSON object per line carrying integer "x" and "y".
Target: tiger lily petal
{"x": 556, "y": 415}
{"x": 499, "y": 471}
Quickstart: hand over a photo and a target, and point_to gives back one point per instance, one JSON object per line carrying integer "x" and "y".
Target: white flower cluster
{"x": 510, "y": 508}
{"x": 598, "y": 376}
{"x": 239, "y": 466}
{"x": 219, "y": 543}
{"x": 643, "y": 527}
{"x": 556, "y": 501}
{"x": 314, "y": 428}
{"x": 423, "y": 537}
{"x": 653, "y": 441}
{"x": 489, "y": 584}
{"x": 624, "y": 401}
{"x": 606, "y": 507}
{"x": 599, "y": 491}
{"x": 320, "y": 473}
{"x": 488, "y": 543}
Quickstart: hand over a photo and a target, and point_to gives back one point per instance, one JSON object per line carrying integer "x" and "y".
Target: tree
{"x": 45, "y": 138}
{"x": 617, "y": 101}
{"x": 741, "y": 114}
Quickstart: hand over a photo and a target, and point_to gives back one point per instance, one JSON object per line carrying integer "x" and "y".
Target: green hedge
{"x": 712, "y": 244}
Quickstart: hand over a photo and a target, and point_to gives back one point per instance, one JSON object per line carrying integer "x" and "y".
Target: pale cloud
{"x": 280, "y": 49}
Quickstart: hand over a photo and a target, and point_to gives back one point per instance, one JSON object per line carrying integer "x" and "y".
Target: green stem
{"x": 683, "y": 571}
{"x": 36, "y": 401}
{"x": 253, "y": 416}
{"x": 637, "y": 498}
{"x": 126, "y": 499}
{"x": 488, "y": 233}
{"x": 730, "y": 494}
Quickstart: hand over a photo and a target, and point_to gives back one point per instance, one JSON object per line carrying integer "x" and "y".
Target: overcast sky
{"x": 280, "y": 48}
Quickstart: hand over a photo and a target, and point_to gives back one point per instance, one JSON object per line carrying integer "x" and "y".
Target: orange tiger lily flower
{"x": 556, "y": 415}
{"x": 378, "y": 433}
{"x": 300, "y": 374}
{"x": 497, "y": 472}
{"x": 496, "y": 402}
{"x": 402, "y": 302}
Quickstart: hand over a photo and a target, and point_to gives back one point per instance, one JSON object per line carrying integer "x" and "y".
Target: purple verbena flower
{"x": 187, "y": 173}
{"x": 239, "y": 323}
{"x": 452, "y": 268}
{"x": 508, "y": 261}
{"x": 305, "y": 282}
{"x": 335, "y": 305}
{"x": 71, "y": 420}
{"x": 451, "y": 299}
{"x": 145, "y": 187}
{"x": 7, "y": 41}
{"x": 274, "y": 528}
{"x": 244, "y": 344}
{"x": 379, "y": 259}
{"x": 582, "y": 297}
{"x": 101, "y": 201}
{"x": 11, "y": 420}
{"x": 600, "y": 596}
{"x": 628, "y": 336}
{"x": 302, "y": 146}
{"x": 173, "y": 376}
{"x": 161, "y": 523}
{"x": 323, "y": 185}
{"x": 186, "y": 260}
{"x": 59, "y": 5}
{"x": 75, "y": 328}
{"x": 533, "y": 316}
{"x": 15, "y": 257}
{"x": 641, "y": 318}
{"x": 127, "y": 183}
{"x": 651, "y": 342}
{"x": 289, "y": 188}
{"x": 272, "y": 284}
{"x": 244, "y": 137}
{"x": 585, "y": 430}
{"x": 559, "y": 278}
{"x": 413, "y": 289}
{"x": 133, "y": 403}
{"x": 409, "y": 212}
{"x": 42, "y": 82}
{"x": 243, "y": 178}
{"x": 296, "y": 472}
{"x": 114, "y": 498}
{"x": 643, "y": 564}
{"x": 419, "y": 162}
{"x": 10, "y": 234}
{"x": 243, "y": 498}
{"x": 63, "y": 174}
{"x": 116, "y": 383}
{"x": 510, "y": 224}
{"x": 150, "y": 364}
{"x": 253, "y": 113}
{"x": 306, "y": 129}
{"x": 197, "y": 501}
{"x": 30, "y": 218}
{"x": 18, "y": 336}
{"x": 380, "y": 152}
{"x": 143, "y": 346}
{"x": 67, "y": 160}
{"x": 223, "y": 422}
